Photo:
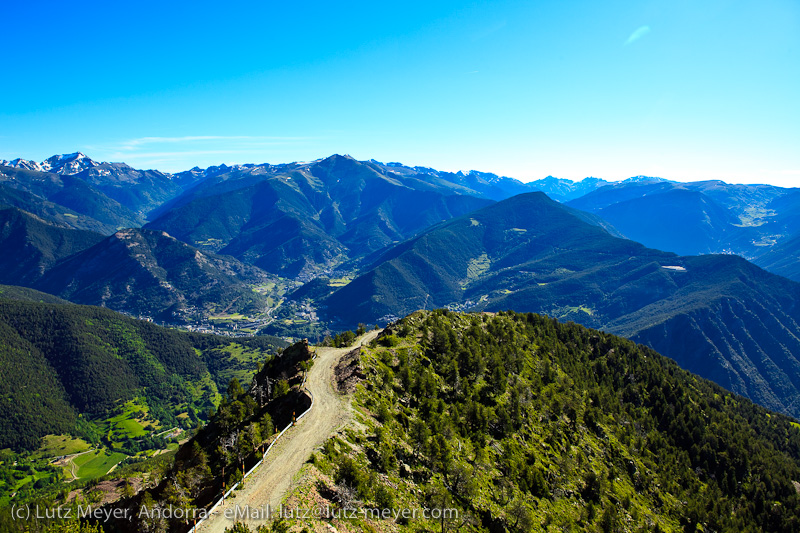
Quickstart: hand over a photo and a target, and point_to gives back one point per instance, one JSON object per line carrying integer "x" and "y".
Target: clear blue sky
{"x": 680, "y": 89}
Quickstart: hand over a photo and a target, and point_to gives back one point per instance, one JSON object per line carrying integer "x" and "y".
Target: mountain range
{"x": 300, "y": 220}
{"x": 99, "y": 196}
{"x": 717, "y": 315}
{"x": 138, "y": 271}
{"x": 181, "y": 247}
{"x": 699, "y": 217}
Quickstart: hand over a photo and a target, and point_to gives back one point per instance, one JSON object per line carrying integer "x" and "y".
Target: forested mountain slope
{"x": 153, "y": 274}
{"x": 73, "y": 194}
{"x": 60, "y": 360}
{"x": 717, "y": 315}
{"x": 519, "y": 423}
{"x": 300, "y": 219}
{"x": 30, "y": 246}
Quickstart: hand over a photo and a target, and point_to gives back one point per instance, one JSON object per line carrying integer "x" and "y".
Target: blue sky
{"x": 684, "y": 90}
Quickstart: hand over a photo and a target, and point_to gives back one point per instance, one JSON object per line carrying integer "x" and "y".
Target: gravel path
{"x": 73, "y": 469}
{"x": 273, "y": 479}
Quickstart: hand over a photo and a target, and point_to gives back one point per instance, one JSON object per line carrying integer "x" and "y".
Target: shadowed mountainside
{"x": 150, "y": 273}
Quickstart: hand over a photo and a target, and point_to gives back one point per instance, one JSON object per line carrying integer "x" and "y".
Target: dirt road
{"x": 68, "y": 460}
{"x": 272, "y": 480}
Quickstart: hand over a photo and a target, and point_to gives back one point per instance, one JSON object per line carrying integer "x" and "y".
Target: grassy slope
{"x": 56, "y": 445}
{"x": 96, "y": 464}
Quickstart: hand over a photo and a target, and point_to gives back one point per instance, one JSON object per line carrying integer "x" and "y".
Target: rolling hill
{"x": 717, "y": 315}
{"x": 24, "y": 294}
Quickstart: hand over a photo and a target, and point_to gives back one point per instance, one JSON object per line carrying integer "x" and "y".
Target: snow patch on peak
{"x": 68, "y": 163}
{"x": 21, "y": 163}
{"x": 645, "y": 179}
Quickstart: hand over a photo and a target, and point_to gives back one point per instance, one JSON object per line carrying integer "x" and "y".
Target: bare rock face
{"x": 349, "y": 372}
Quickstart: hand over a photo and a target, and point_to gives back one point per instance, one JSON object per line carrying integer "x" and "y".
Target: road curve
{"x": 273, "y": 479}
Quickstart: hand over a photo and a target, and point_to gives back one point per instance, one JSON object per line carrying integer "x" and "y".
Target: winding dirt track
{"x": 73, "y": 469}
{"x": 273, "y": 479}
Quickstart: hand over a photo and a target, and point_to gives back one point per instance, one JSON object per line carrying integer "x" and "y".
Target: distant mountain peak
{"x": 66, "y": 164}
{"x": 554, "y": 181}
{"x": 22, "y": 163}
{"x": 337, "y": 157}
{"x": 75, "y": 156}
{"x": 563, "y": 189}
{"x": 57, "y": 164}
{"x": 646, "y": 179}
